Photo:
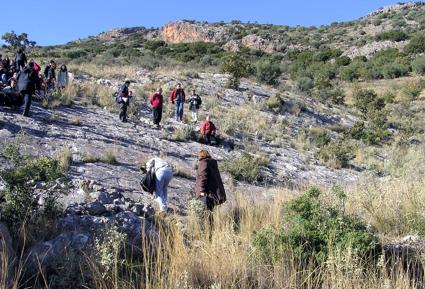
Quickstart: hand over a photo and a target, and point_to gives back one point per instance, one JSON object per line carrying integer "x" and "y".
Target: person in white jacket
{"x": 163, "y": 175}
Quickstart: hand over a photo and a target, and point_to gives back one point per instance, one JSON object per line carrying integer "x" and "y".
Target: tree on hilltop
{"x": 15, "y": 41}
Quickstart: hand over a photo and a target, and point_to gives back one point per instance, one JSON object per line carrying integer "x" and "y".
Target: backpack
{"x": 147, "y": 183}
{"x": 199, "y": 102}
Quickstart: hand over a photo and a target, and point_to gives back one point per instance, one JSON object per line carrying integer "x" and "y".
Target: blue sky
{"x": 56, "y": 22}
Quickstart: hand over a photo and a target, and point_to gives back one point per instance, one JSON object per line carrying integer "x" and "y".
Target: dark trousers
{"x": 123, "y": 111}
{"x": 27, "y": 103}
{"x": 157, "y": 115}
{"x": 19, "y": 65}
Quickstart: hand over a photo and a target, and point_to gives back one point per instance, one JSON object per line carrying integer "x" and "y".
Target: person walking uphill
{"x": 20, "y": 60}
{"x": 157, "y": 101}
{"x": 194, "y": 105}
{"x": 124, "y": 96}
{"x": 209, "y": 186}
{"x": 178, "y": 97}
{"x": 27, "y": 83}
{"x": 163, "y": 175}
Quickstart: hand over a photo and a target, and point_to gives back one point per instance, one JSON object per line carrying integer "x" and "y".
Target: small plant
{"x": 107, "y": 252}
{"x": 75, "y": 120}
{"x": 184, "y": 134}
{"x": 89, "y": 158}
{"x": 109, "y": 157}
{"x": 65, "y": 159}
{"x": 247, "y": 167}
{"x": 337, "y": 154}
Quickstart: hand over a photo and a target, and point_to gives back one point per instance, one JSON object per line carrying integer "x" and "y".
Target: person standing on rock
{"x": 209, "y": 185}
{"x": 20, "y": 60}
{"x": 163, "y": 175}
{"x": 157, "y": 101}
{"x": 178, "y": 98}
{"x": 124, "y": 95}
{"x": 63, "y": 77}
{"x": 27, "y": 83}
{"x": 194, "y": 105}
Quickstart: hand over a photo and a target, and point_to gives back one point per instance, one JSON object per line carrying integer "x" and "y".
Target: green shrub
{"x": 394, "y": 70}
{"x": 184, "y": 134}
{"x": 393, "y": 35}
{"x": 336, "y": 154}
{"x": 312, "y": 231}
{"x": 267, "y": 72}
{"x": 236, "y": 66}
{"x": 305, "y": 84}
{"x": 246, "y": 168}
{"x": 416, "y": 44}
{"x": 366, "y": 100}
{"x": 20, "y": 204}
{"x": 342, "y": 61}
{"x": 418, "y": 65}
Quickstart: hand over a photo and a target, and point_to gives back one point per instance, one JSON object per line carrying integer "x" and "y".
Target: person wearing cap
{"x": 124, "y": 95}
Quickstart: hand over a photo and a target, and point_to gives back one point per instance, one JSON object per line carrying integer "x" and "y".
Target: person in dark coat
{"x": 20, "y": 59}
{"x": 157, "y": 101}
{"x": 209, "y": 186}
{"x": 27, "y": 83}
{"x": 124, "y": 95}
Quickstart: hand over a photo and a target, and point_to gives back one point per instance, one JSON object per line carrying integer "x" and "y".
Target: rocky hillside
{"x": 274, "y": 38}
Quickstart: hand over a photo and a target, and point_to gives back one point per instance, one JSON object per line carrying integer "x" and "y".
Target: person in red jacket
{"x": 178, "y": 97}
{"x": 156, "y": 101}
{"x": 208, "y": 129}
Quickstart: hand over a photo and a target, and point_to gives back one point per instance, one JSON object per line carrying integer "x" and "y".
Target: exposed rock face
{"x": 121, "y": 33}
{"x": 370, "y": 49}
{"x": 395, "y": 7}
{"x": 258, "y": 43}
{"x": 188, "y": 32}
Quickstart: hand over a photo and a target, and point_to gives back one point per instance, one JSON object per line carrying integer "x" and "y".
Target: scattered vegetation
{"x": 247, "y": 167}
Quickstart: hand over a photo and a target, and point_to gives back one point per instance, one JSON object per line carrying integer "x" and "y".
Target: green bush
{"x": 366, "y": 100}
{"x": 236, "y": 65}
{"x": 418, "y": 65}
{"x": 305, "y": 84}
{"x": 393, "y": 35}
{"x": 337, "y": 154}
{"x": 416, "y": 44}
{"x": 312, "y": 231}
{"x": 394, "y": 70}
{"x": 267, "y": 72}
{"x": 342, "y": 61}
{"x": 246, "y": 168}
{"x": 20, "y": 201}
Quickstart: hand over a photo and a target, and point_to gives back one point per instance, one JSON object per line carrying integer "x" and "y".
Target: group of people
{"x": 178, "y": 98}
{"x": 209, "y": 186}
{"x": 20, "y": 78}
